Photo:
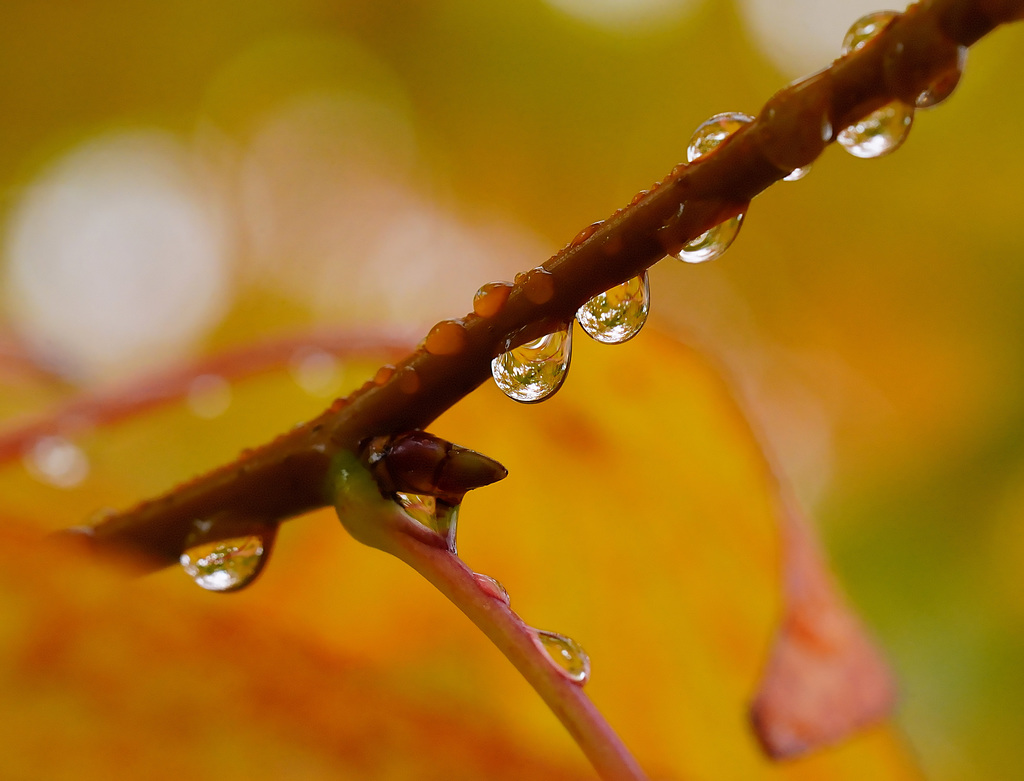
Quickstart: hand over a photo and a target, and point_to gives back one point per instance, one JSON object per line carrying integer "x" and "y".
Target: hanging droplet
{"x": 567, "y": 655}
{"x": 617, "y": 315}
{"x": 224, "y": 565}
{"x": 534, "y": 371}
{"x": 492, "y": 588}
{"x": 879, "y": 133}
{"x": 884, "y": 130}
{"x": 943, "y": 86}
{"x": 57, "y": 461}
{"x": 712, "y": 243}
{"x": 435, "y": 514}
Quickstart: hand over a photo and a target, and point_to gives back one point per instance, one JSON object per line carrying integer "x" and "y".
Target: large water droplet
{"x": 224, "y": 565}
{"x": 712, "y": 243}
{"x": 433, "y": 513}
{"x": 617, "y": 315}
{"x": 535, "y": 370}
{"x": 943, "y": 86}
{"x": 879, "y": 133}
{"x": 567, "y": 655}
{"x": 492, "y": 588}
{"x": 884, "y": 130}
{"x": 57, "y": 461}
{"x": 866, "y": 28}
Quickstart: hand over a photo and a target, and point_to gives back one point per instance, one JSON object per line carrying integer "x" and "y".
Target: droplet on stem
{"x": 225, "y": 565}
{"x": 534, "y": 371}
{"x": 882, "y": 131}
{"x": 433, "y": 513}
{"x": 567, "y": 656}
{"x": 490, "y": 298}
{"x": 446, "y": 338}
{"x": 709, "y": 134}
{"x": 943, "y": 87}
{"x": 492, "y": 588}
{"x": 617, "y": 315}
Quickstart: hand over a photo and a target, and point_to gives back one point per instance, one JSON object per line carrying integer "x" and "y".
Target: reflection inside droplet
{"x": 566, "y": 655}
{"x": 534, "y": 371}
{"x": 224, "y": 565}
{"x": 618, "y": 314}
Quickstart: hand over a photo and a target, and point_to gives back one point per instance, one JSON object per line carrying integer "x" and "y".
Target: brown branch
{"x": 287, "y": 476}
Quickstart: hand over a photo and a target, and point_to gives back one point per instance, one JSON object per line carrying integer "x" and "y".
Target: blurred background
{"x": 181, "y": 178}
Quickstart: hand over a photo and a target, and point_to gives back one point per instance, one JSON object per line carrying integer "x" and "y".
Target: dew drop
{"x": 446, "y": 338}
{"x": 709, "y": 134}
{"x": 435, "y": 514}
{"x": 567, "y": 655}
{"x": 534, "y": 371}
{"x": 617, "y": 315}
{"x": 57, "y": 461}
{"x": 879, "y": 133}
{"x": 539, "y": 286}
{"x": 224, "y": 565}
{"x": 384, "y": 373}
{"x": 884, "y": 130}
{"x": 866, "y": 28}
{"x": 209, "y": 396}
{"x": 586, "y": 233}
{"x": 639, "y": 197}
{"x": 316, "y": 371}
{"x": 408, "y": 380}
{"x": 492, "y": 588}
{"x": 490, "y": 298}
{"x": 943, "y": 86}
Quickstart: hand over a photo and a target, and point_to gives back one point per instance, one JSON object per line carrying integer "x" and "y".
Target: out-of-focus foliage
{"x": 341, "y": 162}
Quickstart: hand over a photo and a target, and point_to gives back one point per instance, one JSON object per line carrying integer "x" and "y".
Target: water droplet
{"x": 866, "y": 28}
{"x": 224, "y": 565}
{"x": 433, "y": 513}
{"x": 490, "y": 298}
{"x": 446, "y": 338}
{"x": 709, "y": 134}
{"x": 408, "y": 380}
{"x": 57, "y": 461}
{"x": 617, "y": 315}
{"x": 384, "y": 373}
{"x": 943, "y": 86}
{"x": 534, "y": 371}
{"x": 639, "y": 197}
{"x": 567, "y": 655}
{"x": 209, "y": 396}
{"x": 539, "y": 286}
{"x": 316, "y": 371}
{"x": 881, "y": 131}
{"x": 586, "y": 233}
{"x": 492, "y": 588}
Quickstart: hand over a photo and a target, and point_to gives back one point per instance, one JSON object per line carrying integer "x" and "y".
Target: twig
{"x": 286, "y": 477}
{"x": 380, "y": 523}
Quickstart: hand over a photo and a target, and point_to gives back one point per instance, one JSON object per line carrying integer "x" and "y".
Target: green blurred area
{"x": 869, "y": 314}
